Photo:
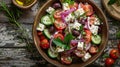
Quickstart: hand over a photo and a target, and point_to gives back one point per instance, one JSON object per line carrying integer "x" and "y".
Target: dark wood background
{"x": 14, "y": 53}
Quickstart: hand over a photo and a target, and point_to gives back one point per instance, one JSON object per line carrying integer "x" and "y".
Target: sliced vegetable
{"x": 60, "y": 36}
{"x": 66, "y": 59}
{"x": 47, "y": 33}
{"x": 93, "y": 49}
{"x": 52, "y": 54}
{"x": 96, "y": 39}
{"x": 88, "y": 36}
{"x": 57, "y": 13}
{"x": 59, "y": 24}
{"x": 46, "y": 20}
{"x": 89, "y": 9}
{"x": 44, "y": 44}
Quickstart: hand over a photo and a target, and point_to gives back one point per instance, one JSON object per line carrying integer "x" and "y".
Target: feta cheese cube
{"x": 80, "y": 45}
{"x": 86, "y": 57}
{"x": 76, "y": 25}
{"x": 69, "y": 17}
{"x": 50, "y": 10}
{"x": 97, "y": 21}
{"x": 60, "y": 49}
{"x": 65, "y": 6}
{"x": 79, "y": 12}
{"x": 40, "y": 27}
{"x": 94, "y": 29}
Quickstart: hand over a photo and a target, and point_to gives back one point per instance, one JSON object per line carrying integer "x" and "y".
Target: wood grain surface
{"x": 13, "y": 52}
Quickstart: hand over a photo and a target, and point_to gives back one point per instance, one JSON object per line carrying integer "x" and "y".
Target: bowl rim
{"x": 48, "y": 59}
{"x": 24, "y": 7}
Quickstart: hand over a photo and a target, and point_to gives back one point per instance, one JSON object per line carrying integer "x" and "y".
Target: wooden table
{"x": 13, "y": 52}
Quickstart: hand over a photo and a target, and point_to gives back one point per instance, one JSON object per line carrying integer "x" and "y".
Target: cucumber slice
{"x": 52, "y": 54}
{"x": 46, "y": 20}
{"x": 46, "y": 33}
{"x": 96, "y": 39}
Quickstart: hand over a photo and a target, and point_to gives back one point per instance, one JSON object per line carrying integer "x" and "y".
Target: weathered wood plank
{"x": 9, "y": 36}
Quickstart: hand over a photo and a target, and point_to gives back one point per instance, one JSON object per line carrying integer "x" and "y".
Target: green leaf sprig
{"x": 13, "y": 14}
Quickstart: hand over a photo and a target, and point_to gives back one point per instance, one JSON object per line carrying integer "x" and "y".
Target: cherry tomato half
{"x": 59, "y": 36}
{"x": 93, "y": 49}
{"x": 59, "y": 24}
{"x": 44, "y": 44}
{"x": 114, "y": 53}
{"x": 57, "y": 13}
{"x": 88, "y": 36}
{"x": 89, "y": 9}
{"x": 109, "y": 62}
{"x": 66, "y": 59}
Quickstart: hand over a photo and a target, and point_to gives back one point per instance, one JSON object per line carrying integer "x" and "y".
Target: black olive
{"x": 75, "y": 32}
{"x": 56, "y": 5}
{"x": 52, "y": 29}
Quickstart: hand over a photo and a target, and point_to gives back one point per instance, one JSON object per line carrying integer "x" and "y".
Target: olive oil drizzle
{"x": 24, "y": 2}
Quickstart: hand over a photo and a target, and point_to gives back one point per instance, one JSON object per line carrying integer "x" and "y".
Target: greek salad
{"x": 70, "y": 30}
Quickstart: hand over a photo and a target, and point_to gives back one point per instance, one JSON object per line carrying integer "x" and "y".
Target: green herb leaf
{"x": 68, "y": 38}
{"x": 69, "y": 1}
{"x": 59, "y": 43}
{"x": 111, "y": 2}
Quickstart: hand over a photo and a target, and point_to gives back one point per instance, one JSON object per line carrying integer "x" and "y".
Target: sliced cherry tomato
{"x": 79, "y": 53}
{"x": 109, "y": 62}
{"x": 57, "y": 13}
{"x": 44, "y": 44}
{"x": 75, "y": 5}
{"x": 88, "y": 36}
{"x": 66, "y": 59}
{"x": 114, "y": 53}
{"x": 93, "y": 49}
{"x": 59, "y": 24}
{"x": 59, "y": 36}
{"x": 89, "y": 9}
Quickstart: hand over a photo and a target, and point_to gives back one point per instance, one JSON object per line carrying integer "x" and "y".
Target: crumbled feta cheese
{"x": 79, "y": 12}
{"x": 60, "y": 49}
{"x": 40, "y": 27}
{"x": 94, "y": 29}
{"x": 50, "y": 10}
{"x": 80, "y": 45}
{"x": 76, "y": 25}
{"x": 86, "y": 57}
{"x": 69, "y": 17}
{"x": 97, "y": 21}
{"x": 65, "y": 6}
